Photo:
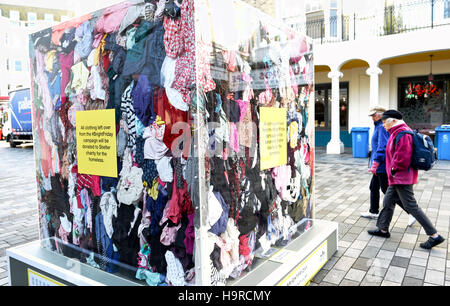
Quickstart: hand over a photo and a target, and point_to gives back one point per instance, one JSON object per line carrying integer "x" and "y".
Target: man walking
{"x": 401, "y": 176}
{"x": 378, "y": 165}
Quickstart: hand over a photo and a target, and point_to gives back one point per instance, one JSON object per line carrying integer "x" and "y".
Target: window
{"x": 48, "y": 17}
{"x": 425, "y": 105}
{"x": 323, "y": 106}
{"x": 333, "y": 23}
{"x": 32, "y": 17}
{"x": 6, "y": 39}
{"x": 18, "y": 65}
{"x": 446, "y": 8}
{"x": 333, "y": 4}
{"x": 14, "y": 15}
{"x": 313, "y": 5}
{"x": 64, "y": 18}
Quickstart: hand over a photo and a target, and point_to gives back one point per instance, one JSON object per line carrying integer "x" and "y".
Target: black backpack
{"x": 423, "y": 150}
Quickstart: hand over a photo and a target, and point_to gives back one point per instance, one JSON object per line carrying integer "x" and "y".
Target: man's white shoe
{"x": 369, "y": 215}
{"x": 411, "y": 220}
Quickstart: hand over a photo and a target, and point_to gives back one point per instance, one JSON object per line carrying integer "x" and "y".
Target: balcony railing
{"x": 402, "y": 16}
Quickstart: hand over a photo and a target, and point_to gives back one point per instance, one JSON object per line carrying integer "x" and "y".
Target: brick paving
{"x": 342, "y": 193}
{"x": 18, "y": 208}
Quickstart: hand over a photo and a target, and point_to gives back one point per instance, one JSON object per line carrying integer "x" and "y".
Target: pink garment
{"x": 179, "y": 203}
{"x": 243, "y": 105}
{"x": 190, "y": 235}
{"x": 45, "y": 152}
{"x": 66, "y": 62}
{"x": 88, "y": 208}
{"x": 42, "y": 80}
{"x": 204, "y": 66}
{"x": 245, "y": 129}
{"x": 59, "y": 29}
{"x": 63, "y": 235}
{"x": 112, "y": 17}
{"x": 230, "y": 59}
{"x": 169, "y": 234}
{"x": 91, "y": 182}
{"x": 234, "y": 137}
{"x": 399, "y": 157}
{"x": 281, "y": 175}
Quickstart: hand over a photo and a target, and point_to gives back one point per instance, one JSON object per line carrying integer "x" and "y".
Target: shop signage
{"x": 420, "y": 90}
{"x": 36, "y": 279}
{"x": 96, "y": 142}
{"x": 273, "y": 137}
{"x": 305, "y": 271}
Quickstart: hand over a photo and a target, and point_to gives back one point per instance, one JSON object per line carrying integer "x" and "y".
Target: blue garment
{"x": 148, "y": 53}
{"x": 379, "y": 141}
{"x": 85, "y": 37}
{"x": 156, "y": 208}
{"x": 106, "y": 242}
{"x": 221, "y": 225}
{"x": 143, "y": 100}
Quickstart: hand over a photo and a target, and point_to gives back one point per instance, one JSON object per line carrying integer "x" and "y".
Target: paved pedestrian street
{"x": 342, "y": 193}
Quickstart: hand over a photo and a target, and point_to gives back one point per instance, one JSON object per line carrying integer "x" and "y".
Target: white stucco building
{"x": 369, "y": 53}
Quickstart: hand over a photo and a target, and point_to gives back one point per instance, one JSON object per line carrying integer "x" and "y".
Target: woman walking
{"x": 401, "y": 176}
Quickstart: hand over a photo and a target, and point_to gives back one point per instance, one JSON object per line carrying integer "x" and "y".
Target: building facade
{"x": 391, "y": 53}
{"x": 16, "y": 23}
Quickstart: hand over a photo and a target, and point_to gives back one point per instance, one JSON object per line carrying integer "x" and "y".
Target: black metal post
{"x": 321, "y": 31}
{"x": 432, "y": 13}
{"x": 391, "y": 27}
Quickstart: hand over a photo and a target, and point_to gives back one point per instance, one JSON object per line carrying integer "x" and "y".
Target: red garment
{"x": 91, "y": 182}
{"x": 66, "y": 62}
{"x": 172, "y": 37}
{"x": 180, "y": 202}
{"x": 185, "y": 65}
{"x": 45, "y": 150}
{"x": 170, "y": 115}
{"x": 204, "y": 66}
{"x": 244, "y": 248}
{"x": 106, "y": 61}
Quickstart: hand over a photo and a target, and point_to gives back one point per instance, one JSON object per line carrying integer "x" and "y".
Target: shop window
{"x": 323, "y": 106}
{"x": 425, "y": 105}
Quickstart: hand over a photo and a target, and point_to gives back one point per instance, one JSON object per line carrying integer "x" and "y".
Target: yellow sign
{"x": 36, "y": 279}
{"x": 305, "y": 271}
{"x": 273, "y": 137}
{"x": 96, "y": 142}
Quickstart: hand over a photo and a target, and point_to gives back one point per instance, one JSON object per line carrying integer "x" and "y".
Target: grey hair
{"x": 390, "y": 120}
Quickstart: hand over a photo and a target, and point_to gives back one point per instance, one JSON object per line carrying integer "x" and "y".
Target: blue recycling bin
{"x": 360, "y": 142}
{"x": 442, "y": 140}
